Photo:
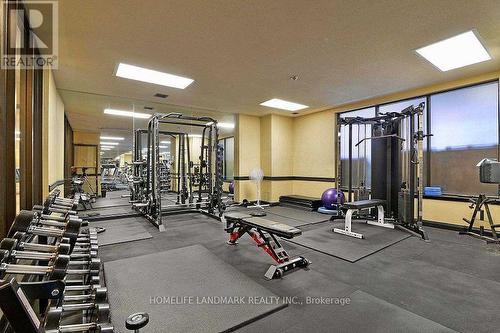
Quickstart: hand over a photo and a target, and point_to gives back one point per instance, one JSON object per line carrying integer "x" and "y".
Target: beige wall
{"x": 53, "y": 134}
{"x": 247, "y": 154}
{"x": 313, "y": 152}
{"x": 313, "y": 143}
{"x": 452, "y": 212}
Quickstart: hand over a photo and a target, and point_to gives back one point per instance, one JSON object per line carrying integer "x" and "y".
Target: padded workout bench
{"x": 357, "y": 206}
{"x": 264, "y": 233}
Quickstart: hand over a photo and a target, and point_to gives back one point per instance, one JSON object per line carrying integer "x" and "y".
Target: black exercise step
{"x": 299, "y": 198}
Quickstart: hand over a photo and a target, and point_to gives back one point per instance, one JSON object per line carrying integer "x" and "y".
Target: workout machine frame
{"x": 210, "y": 170}
{"x": 397, "y": 144}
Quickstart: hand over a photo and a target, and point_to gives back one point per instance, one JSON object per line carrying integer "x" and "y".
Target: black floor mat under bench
{"x": 324, "y": 240}
{"x": 161, "y": 284}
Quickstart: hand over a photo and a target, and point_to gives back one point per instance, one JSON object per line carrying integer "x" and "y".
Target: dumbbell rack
{"x": 50, "y": 273}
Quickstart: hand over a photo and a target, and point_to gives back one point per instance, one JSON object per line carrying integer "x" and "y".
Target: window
{"x": 464, "y": 127}
{"x": 361, "y": 155}
{"x": 228, "y": 158}
{"x": 464, "y": 124}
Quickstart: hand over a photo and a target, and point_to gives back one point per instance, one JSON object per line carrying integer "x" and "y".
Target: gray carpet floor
{"x": 121, "y": 231}
{"x": 189, "y": 290}
{"x": 451, "y": 283}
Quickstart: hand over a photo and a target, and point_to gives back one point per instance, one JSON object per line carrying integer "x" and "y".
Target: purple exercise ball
{"x": 331, "y": 197}
{"x": 231, "y": 187}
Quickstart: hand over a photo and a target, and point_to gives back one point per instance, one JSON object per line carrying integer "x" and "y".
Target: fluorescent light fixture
{"x": 127, "y": 113}
{"x": 284, "y": 105}
{"x": 165, "y": 142}
{"x": 151, "y": 76}
{"x": 112, "y": 138}
{"x": 109, "y": 143}
{"x": 110, "y": 147}
{"x": 18, "y": 132}
{"x": 18, "y": 139}
{"x": 105, "y": 149}
{"x": 222, "y": 125}
{"x": 455, "y": 52}
{"x": 163, "y": 147}
{"x": 195, "y": 135}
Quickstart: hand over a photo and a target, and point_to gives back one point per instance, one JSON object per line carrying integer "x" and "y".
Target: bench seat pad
{"x": 362, "y": 204}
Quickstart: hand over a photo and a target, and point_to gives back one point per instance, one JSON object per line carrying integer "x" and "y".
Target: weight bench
{"x": 265, "y": 232}
{"x": 357, "y": 206}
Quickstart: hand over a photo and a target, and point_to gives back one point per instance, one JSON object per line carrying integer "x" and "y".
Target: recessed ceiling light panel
{"x": 127, "y": 113}
{"x": 109, "y": 143}
{"x": 222, "y": 125}
{"x": 112, "y": 138}
{"x": 455, "y": 52}
{"x": 283, "y": 105}
{"x": 151, "y": 76}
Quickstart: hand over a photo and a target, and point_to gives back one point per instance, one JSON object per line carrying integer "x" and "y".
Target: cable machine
{"x": 396, "y": 147}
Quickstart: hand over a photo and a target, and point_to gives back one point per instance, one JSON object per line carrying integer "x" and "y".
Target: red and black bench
{"x": 265, "y": 233}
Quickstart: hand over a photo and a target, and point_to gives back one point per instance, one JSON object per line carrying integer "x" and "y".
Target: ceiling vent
{"x": 161, "y": 95}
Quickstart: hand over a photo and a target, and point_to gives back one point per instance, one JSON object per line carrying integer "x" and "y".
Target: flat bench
{"x": 265, "y": 232}
{"x": 364, "y": 204}
{"x": 355, "y": 206}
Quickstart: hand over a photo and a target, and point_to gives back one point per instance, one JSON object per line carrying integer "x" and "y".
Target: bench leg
{"x": 347, "y": 228}
{"x": 277, "y": 271}
{"x": 381, "y": 219}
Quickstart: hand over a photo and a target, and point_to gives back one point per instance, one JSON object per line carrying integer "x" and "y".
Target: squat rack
{"x": 209, "y": 172}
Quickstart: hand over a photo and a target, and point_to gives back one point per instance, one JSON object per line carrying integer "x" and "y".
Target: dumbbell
{"x": 85, "y": 282}
{"x": 26, "y": 221}
{"x": 136, "y": 321}
{"x": 95, "y": 294}
{"x": 99, "y": 312}
{"x": 60, "y": 217}
{"x": 65, "y": 201}
{"x": 93, "y": 263}
{"x": 58, "y": 202}
{"x": 81, "y": 287}
{"x": 56, "y": 270}
{"x": 61, "y": 247}
{"x": 49, "y": 207}
{"x": 84, "y": 327}
{"x": 71, "y": 231}
{"x": 18, "y": 251}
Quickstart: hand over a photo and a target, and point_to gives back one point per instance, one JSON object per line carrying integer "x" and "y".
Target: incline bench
{"x": 264, "y": 232}
{"x": 357, "y": 206}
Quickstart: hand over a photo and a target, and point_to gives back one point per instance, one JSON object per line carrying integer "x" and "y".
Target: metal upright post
{"x": 190, "y": 172}
{"x": 349, "y": 189}
{"x": 210, "y": 150}
{"x": 179, "y": 153}
{"x": 420, "y": 165}
{"x": 183, "y": 169}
